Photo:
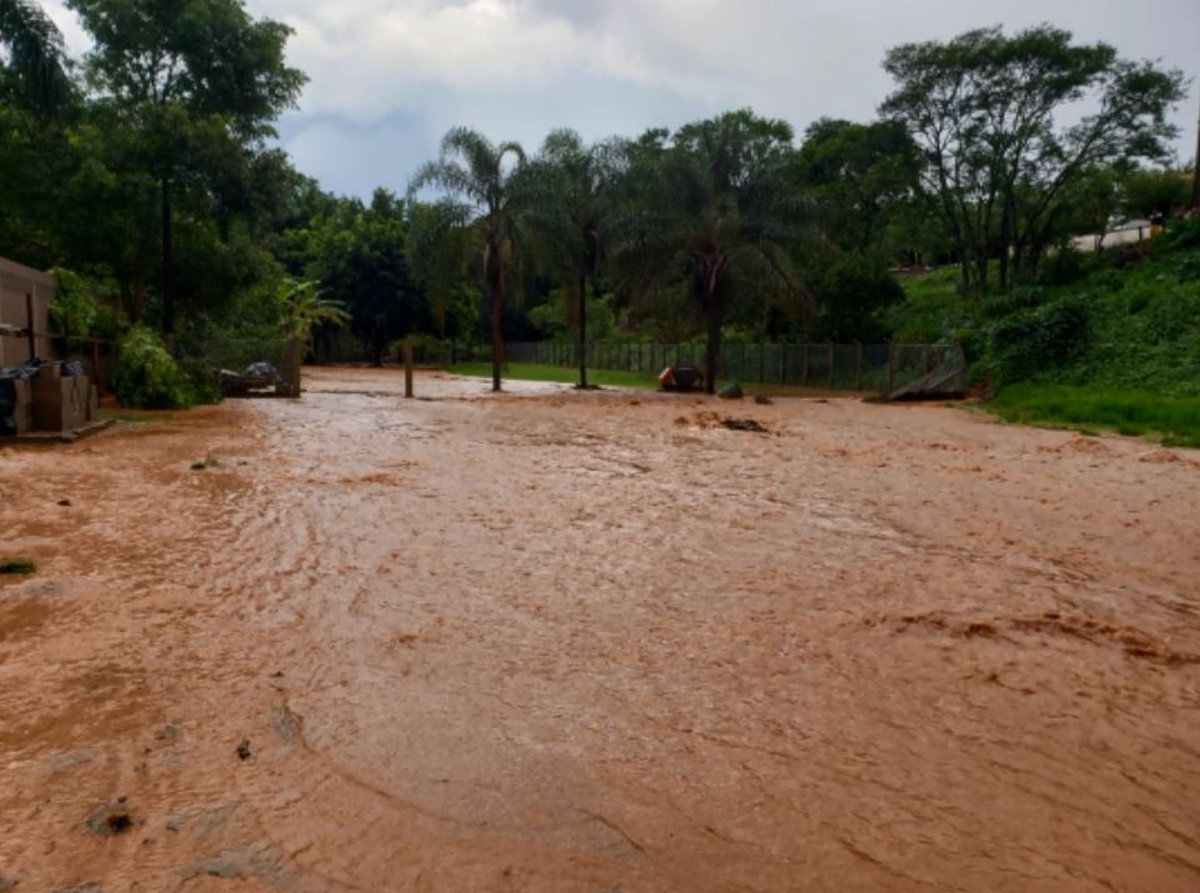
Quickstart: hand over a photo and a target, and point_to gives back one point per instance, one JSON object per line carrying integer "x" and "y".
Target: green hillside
{"x": 1108, "y": 342}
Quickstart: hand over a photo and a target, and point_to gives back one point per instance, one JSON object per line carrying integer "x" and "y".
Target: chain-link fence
{"x": 878, "y": 368}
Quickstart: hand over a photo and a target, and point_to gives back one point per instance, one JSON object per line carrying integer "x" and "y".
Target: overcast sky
{"x": 389, "y": 77}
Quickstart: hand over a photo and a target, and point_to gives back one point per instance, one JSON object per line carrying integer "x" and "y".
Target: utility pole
{"x": 1196, "y": 171}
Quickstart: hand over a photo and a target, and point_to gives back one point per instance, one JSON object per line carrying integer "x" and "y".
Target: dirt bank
{"x": 597, "y": 642}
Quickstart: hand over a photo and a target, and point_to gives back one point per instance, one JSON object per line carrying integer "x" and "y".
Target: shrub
{"x": 148, "y": 376}
{"x": 1038, "y": 339}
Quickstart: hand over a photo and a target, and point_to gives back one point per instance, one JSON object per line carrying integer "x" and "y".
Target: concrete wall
{"x": 17, "y": 281}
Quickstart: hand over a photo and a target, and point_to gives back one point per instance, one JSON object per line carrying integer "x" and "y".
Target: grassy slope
{"x": 1137, "y": 372}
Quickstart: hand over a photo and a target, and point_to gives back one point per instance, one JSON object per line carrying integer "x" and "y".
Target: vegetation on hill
{"x": 1108, "y": 341}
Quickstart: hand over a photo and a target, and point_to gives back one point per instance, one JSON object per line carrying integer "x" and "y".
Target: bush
{"x": 148, "y": 376}
{"x": 1065, "y": 267}
{"x": 1038, "y": 339}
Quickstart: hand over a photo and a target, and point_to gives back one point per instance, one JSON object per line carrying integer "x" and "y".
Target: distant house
{"x": 22, "y": 289}
{"x": 1123, "y": 232}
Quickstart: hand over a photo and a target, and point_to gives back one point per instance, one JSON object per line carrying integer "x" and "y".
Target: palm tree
{"x": 568, "y": 192}
{"x": 36, "y": 52}
{"x": 715, "y": 207}
{"x": 477, "y": 177}
{"x": 302, "y": 308}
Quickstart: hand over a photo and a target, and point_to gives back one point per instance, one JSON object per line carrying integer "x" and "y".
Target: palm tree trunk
{"x": 583, "y": 332}
{"x": 712, "y": 350}
{"x": 497, "y": 331}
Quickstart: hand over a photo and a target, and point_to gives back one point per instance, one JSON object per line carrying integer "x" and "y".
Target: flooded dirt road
{"x": 551, "y": 641}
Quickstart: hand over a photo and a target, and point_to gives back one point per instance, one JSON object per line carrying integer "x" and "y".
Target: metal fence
{"x": 879, "y": 368}
{"x": 235, "y": 354}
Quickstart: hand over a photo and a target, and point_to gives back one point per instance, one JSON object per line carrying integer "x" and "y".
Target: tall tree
{"x": 36, "y": 53}
{"x": 477, "y": 179}
{"x": 199, "y": 82}
{"x": 983, "y": 108}
{"x": 860, "y": 175}
{"x": 568, "y": 192}
{"x": 359, "y": 260}
{"x": 712, "y": 205}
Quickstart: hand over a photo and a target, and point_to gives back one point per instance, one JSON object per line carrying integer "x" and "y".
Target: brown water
{"x": 550, "y": 641}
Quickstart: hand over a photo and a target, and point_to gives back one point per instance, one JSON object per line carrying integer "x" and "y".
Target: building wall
{"x": 17, "y": 281}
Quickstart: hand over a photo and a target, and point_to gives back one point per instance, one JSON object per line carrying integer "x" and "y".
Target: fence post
{"x": 29, "y": 330}
{"x": 858, "y": 365}
{"x": 762, "y": 363}
{"x": 831, "y": 365}
{"x": 408, "y": 368}
{"x": 890, "y": 364}
{"x": 804, "y": 374}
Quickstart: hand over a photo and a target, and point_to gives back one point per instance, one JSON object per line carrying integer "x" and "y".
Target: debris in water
{"x": 243, "y": 749}
{"x": 744, "y": 425}
{"x": 18, "y": 564}
{"x": 111, "y": 819}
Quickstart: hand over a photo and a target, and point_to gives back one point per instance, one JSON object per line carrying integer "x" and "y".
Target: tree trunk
{"x": 168, "y": 265}
{"x": 583, "y": 332}
{"x": 1005, "y": 244}
{"x": 497, "y": 330}
{"x": 712, "y": 350}
{"x": 981, "y": 272}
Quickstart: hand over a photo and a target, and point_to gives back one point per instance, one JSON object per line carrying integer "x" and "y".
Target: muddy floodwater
{"x": 550, "y": 641}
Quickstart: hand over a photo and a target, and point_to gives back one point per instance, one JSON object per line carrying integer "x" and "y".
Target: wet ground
{"x": 552, "y": 641}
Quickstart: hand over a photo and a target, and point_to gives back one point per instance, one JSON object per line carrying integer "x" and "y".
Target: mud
{"x": 598, "y": 642}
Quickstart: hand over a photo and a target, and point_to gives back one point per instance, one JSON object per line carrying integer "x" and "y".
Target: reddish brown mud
{"x": 551, "y": 641}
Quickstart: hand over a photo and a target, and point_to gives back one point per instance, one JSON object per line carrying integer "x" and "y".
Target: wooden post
{"x": 858, "y": 365}
{"x": 408, "y": 368}
{"x": 890, "y": 365}
{"x": 831, "y": 365}
{"x": 804, "y": 374}
{"x": 29, "y": 325}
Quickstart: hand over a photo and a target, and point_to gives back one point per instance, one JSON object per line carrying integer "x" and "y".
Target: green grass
{"x": 535, "y": 372}
{"x": 1174, "y": 420}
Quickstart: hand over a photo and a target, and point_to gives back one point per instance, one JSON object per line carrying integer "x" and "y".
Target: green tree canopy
{"x": 476, "y": 179}
{"x": 711, "y": 209}
{"x": 985, "y": 110}
{"x": 860, "y": 175}
{"x": 36, "y": 54}
{"x": 197, "y": 84}
{"x": 569, "y": 193}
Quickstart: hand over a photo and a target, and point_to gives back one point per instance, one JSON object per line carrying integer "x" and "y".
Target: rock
{"x": 731, "y": 391}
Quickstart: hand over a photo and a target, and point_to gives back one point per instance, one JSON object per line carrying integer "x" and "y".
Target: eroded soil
{"x": 599, "y": 642}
